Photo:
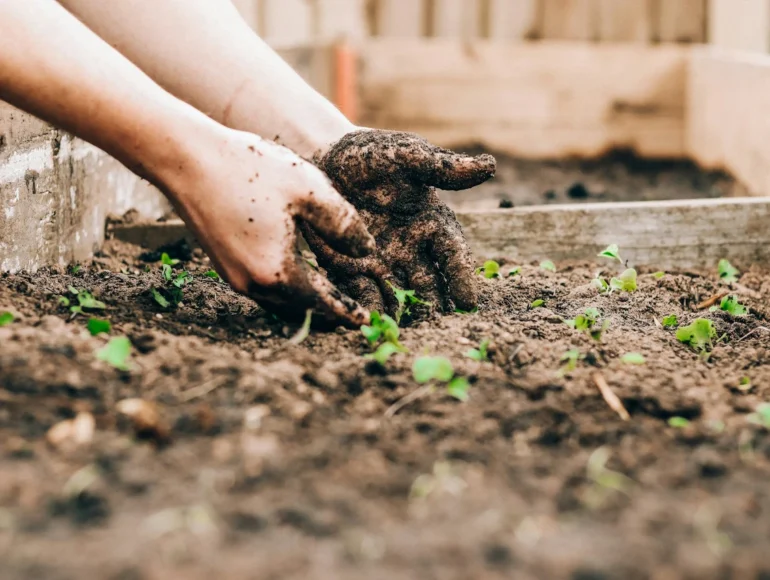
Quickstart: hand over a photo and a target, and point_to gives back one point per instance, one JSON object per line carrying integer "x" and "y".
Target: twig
{"x": 407, "y": 399}
{"x": 201, "y": 390}
{"x": 753, "y": 332}
{"x": 610, "y": 397}
{"x": 711, "y": 301}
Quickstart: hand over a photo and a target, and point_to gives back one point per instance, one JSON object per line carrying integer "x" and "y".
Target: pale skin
{"x": 196, "y": 133}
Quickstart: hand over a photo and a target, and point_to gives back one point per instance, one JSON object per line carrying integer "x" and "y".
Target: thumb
{"x": 336, "y": 221}
{"x": 453, "y": 171}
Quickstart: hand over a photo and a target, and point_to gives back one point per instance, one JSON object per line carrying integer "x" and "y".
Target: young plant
{"x": 213, "y": 275}
{"x": 383, "y": 353}
{"x": 588, "y": 323}
{"x": 548, "y": 266}
{"x": 633, "y": 358}
{"x": 659, "y": 275}
{"x": 537, "y": 303}
{"x": 744, "y": 385}
{"x": 406, "y": 299}
{"x": 678, "y": 422}
{"x": 626, "y": 282}
{"x": 86, "y": 301}
{"x": 460, "y": 311}
{"x": 761, "y": 416}
{"x": 98, "y": 326}
{"x": 670, "y": 321}
{"x": 731, "y": 305}
{"x": 304, "y": 330}
{"x": 601, "y": 285}
{"x": 116, "y": 353}
{"x": 514, "y": 271}
{"x": 727, "y": 272}
{"x": 570, "y": 360}
{"x": 382, "y": 327}
{"x": 173, "y": 292}
{"x": 6, "y": 318}
{"x": 612, "y": 252}
{"x": 480, "y": 354}
{"x": 605, "y": 481}
{"x": 427, "y": 369}
{"x": 699, "y": 335}
{"x": 490, "y": 269}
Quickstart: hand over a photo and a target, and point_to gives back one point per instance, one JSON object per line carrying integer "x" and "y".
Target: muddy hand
{"x": 244, "y": 203}
{"x": 390, "y": 177}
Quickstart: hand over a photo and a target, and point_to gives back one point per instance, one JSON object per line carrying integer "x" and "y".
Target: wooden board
{"x": 570, "y": 19}
{"x": 400, "y": 18}
{"x": 538, "y": 100}
{"x": 457, "y": 18}
{"x": 743, "y": 25}
{"x": 728, "y": 126}
{"x": 517, "y": 20}
{"x": 625, "y": 21}
{"x": 663, "y": 234}
{"x": 681, "y": 20}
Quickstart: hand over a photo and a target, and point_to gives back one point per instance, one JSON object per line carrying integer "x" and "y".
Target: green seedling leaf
{"x": 626, "y": 282}
{"x": 382, "y": 327}
{"x": 73, "y": 290}
{"x": 213, "y": 275}
{"x": 659, "y": 275}
{"x": 670, "y": 321}
{"x": 633, "y": 358}
{"x": 598, "y": 473}
{"x": 166, "y": 260}
{"x": 612, "y": 252}
{"x": 6, "y": 318}
{"x": 761, "y": 416}
{"x": 75, "y": 268}
{"x": 97, "y": 326}
{"x": 537, "y": 303}
{"x": 731, "y": 305}
{"x": 181, "y": 279}
{"x": 167, "y": 272}
{"x": 479, "y": 354}
{"x": 678, "y": 422}
{"x": 601, "y": 285}
{"x": 432, "y": 368}
{"x": 514, "y": 271}
{"x": 490, "y": 269}
{"x": 116, "y": 353}
{"x": 64, "y": 301}
{"x": 458, "y": 388}
{"x": 406, "y": 299}
{"x": 87, "y": 301}
{"x": 570, "y": 360}
{"x": 383, "y": 353}
{"x": 304, "y": 330}
{"x": 459, "y": 311}
{"x": 727, "y": 271}
{"x": 699, "y": 335}
{"x": 584, "y": 322}
{"x": 548, "y": 265}
{"x": 160, "y": 299}
{"x": 744, "y": 384}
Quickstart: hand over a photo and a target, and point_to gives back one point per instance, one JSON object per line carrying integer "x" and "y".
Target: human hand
{"x": 243, "y": 198}
{"x": 390, "y": 177}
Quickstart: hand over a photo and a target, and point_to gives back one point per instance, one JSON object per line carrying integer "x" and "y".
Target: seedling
{"x": 304, "y": 330}
{"x": 97, "y": 326}
{"x": 587, "y": 322}
{"x": 727, "y": 272}
{"x": 406, "y": 299}
{"x": 490, "y": 269}
{"x": 601, "y": 285}
{"x": 383, "y": 327}
{"x": 570, "y": 360}
{"x": 86, "y": 301}
{"x": 514, "y": 271}
{"x": 172, "y": 293}
{"x": 75, "y": 268}
{"x": 659, "y": 275}
{"x": 670, "y": 321}
{"x": 744, "y": 384}
{"x": 633, "y": 358}
{"x": 537, "y": 303}
{"x": 480, "y": 354}
{"x": 761, "y": 416}
{"x": 605, "y": 481}
{"x": 626, "y": 282}
{"x": 612, "y": 252}
{"x": 548, "y": 266}
{"x": 6, "y": 318}
{"x": 213, "y": 275}
{"x": 731, "y": 305}
{"x": 460, "y": 311}
{"x": 699, "y": 335}
{"x": 116, "y": 353}
{"x": 427, "y": 369}
{"x": 383, "y": 353}
{"x": 678, "y": 422}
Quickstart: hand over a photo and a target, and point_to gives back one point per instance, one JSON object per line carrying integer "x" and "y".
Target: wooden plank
{"x": 727, "y": 122}
{"x": 663, "y": 234}
{"x": 336, "y": 20}
{"x": 287, "y": 22}
{"x": 681, "y": 20}
{"x": 743, "y": 25}
{"x": 457, "y": 18}
{"x": 625, "y": 21}
{"x": 517, "y": 19}
{"x": 533, "y": 100}
{"x": 400, "y": 18}
{"x": 570, "y": 19}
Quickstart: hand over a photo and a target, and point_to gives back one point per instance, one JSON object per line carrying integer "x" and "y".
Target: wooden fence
{"x": 731, "y": 23}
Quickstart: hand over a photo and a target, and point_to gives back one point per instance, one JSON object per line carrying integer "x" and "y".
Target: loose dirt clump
{"x": 276, "y": 460}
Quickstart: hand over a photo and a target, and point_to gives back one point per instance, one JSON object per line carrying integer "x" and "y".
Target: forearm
{"x": 203, "y": 52}
{"x": 54, "y": 67}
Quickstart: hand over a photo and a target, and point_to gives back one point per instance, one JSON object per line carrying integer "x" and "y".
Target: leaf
{"x": 601, "y": 285}
{"x": 213, "y": 275}
{"x": 159, "y": 298}
{"x": 670, "y": 321}
{"x": 479, "y": 354}
{"x": 166, "y": 260}
{"x": 490, "y": 269}
{"x": 167, "y": 272}
{"x": 75, "y": 268}
{"x": 626, "y": 282}
{"x": 97, "y": 326}
{"x": 761, "y": 416}
{"x": 432, "y": 368}
{"x": 6, "y": 318}
{"x": 745, "y": 384}
{"x": 460, "y": 311}
{"x": 596, "y": 333}
{"x": 727, "y": 271}
{"x": 458, "y": 388}
{"x": 64, "y": 301}
{"x": 611, "y": 252}
{"x": 304, "y": 330}
{"x": 633, "y": 358}
{"x": 570, "y": 358}
{"x": 731, "y": 305}
{"x": 514, "y": 271}
{"x": 548, "y": 265}
{"x": 181, "y": 280}
{"x": 87, "y": 301}
{"x": 537, "y": 303}
{"x": 73, "y": 290}
{"x": 405, "y": 299}
{"x": 116, "y": 353}
{"x": 659, "y": 275}
{"x": 383, "y": 353}
{"x": 699, "y": 335}
{"x": 678, "y": 422}
{"x": 382, "y": 326}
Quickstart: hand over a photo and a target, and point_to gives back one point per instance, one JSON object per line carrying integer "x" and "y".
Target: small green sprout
{"x": 626, "y": 282}
{"x": 678, "y": 422}
{"x": 6, "y": 318}
{"x": 437, "y": 368}
{"x": 213, "y": 275}
{"x": 64, "y": 301}
{"x": 97, "y": 326}
{"x": 304, "y": 330}
{"x": 570, "y": 360}
{"x": 460, "y": 311}
{"x": 670, "y": 321}
{"x": 86, "y": 301}
{"x": 514, "y": 271}
{"x": 727, "y": 272}
{"x": 383, "y": 327}
{"x": 699, "y": 335}
{"x": 406, "y": 299}
{"x": 548, "y": 266}
{"x": 537, "y": 303}
{"x": 160, "y": 299}
{"x": 480, "y": 354}
{"x": 659, "y": 275}
{"x": 612, "y": 252}
{"x": 761, "y": 416}
{"x": 587, "y": 322}
{"x": 116, "y": 353}
{"x": 490, "y": 269}
{"x": 633, "y": 358}
{"x": 744, "y": 384}
{"x": 605, "y": 481}
{"x": 167, "y": 260}
{"x": 173, "y": 293}
{"x": 458, "y": 388}
{"x": 75, "y": 268}
{"x": 383, "y": 353}
{"x": 731, "y": 305}
{"x": 601, "y": 285}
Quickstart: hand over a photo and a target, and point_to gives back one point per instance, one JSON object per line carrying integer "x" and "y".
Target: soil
{"x": 618, "y": 176}
{"x": 273, "y": 460}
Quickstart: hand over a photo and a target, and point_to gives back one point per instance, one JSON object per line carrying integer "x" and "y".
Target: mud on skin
{"x": 391, "y": 178}
{"x": 280, "y": 454}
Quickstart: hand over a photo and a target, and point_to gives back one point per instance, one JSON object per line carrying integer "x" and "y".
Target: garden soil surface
{"x": 276, "y": 461}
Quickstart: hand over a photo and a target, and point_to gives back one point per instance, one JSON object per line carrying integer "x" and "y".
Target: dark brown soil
{"x": 282, "y": 465}
{"x": 618, "y": 176}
